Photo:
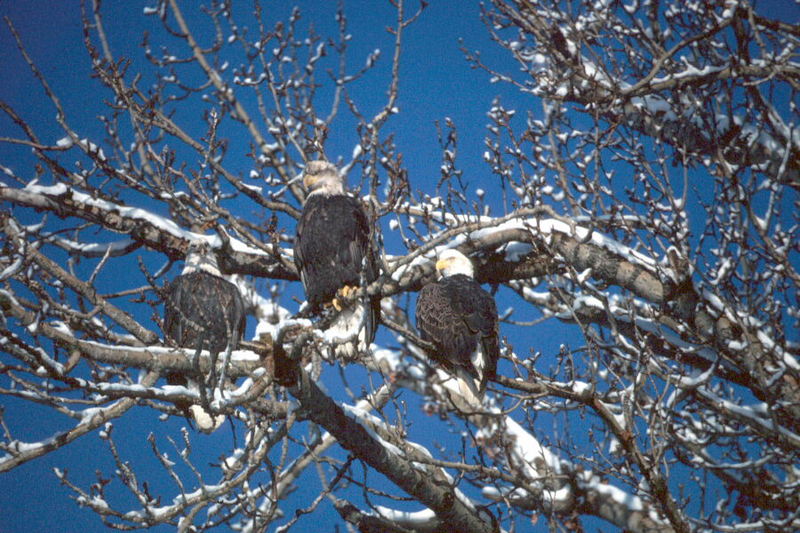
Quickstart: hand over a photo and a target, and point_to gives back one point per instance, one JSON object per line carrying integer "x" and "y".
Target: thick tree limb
{"x": 370, "y": 523}
{"x": 434, "y": 493}
{"x": 166, "y": 237}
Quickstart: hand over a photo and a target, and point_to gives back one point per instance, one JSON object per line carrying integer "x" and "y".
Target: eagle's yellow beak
{"x": 441, "y": 264}
{"x": 309, "y": 180}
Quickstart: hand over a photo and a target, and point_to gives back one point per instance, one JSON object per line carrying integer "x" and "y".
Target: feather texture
{"x": 460, "y": 319}
{"x": 333, "y": 249}
{"x": 203, "y": 311}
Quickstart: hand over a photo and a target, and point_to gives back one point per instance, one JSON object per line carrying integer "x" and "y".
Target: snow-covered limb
{"x": 535, "y": 477}
{"x": 559, "y": 240}
{"x": 542, "y": 481}
{"x": 357, "y": 439}
{"x": 96, "y": 249}
{"x": 582, "y": 486}
{"x": 17, "y": 453}
{"x": 315, "y": 450}
{"x": 555, "y": 485}
{"x": 626, "y": 268}
{"x": 149, "y": 229}
{"x": 618, "y": 507}
{"x": 389, "y": 520}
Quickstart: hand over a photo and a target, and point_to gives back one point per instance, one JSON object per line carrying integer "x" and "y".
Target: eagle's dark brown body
{"x": 204, "y": 311}
{"x": 460, "y": 319}
{"x": 333, "y": 249}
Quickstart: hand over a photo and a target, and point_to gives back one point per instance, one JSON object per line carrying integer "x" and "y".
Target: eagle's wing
{"x": 333, "y": 241}
{"x": 203, "y": 307}
{"x": 455, "y": 315}
{"x": 485, "y": 322}
{"x": 441, "y": 321}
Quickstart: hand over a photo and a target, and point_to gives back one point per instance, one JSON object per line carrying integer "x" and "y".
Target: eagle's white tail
{"x": 461, "y": 389}
{"x": 206, "y": 422}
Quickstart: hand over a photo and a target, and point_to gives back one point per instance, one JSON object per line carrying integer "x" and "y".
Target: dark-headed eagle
{"x": 334, "y": 254}
{"x": 203, "y": 311}
{"x": 460, "y": 319}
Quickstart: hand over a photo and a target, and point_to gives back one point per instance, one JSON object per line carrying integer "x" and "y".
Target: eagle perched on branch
{"x": 460, "y": 319}
{"x": 203, "y": 311}
{"x": 334, "y": 254}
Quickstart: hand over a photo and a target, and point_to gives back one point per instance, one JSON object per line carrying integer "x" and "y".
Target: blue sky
{"x": 436, "y": 83}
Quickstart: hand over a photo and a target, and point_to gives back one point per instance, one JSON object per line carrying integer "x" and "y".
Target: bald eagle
{"x": 203, "y": 311}
{"x": 460, "y": 319}
{"x": 334, "y": 254}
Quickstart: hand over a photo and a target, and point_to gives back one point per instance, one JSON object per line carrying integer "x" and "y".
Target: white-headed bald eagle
{"x": 203, "y": 311}
{"x": 460, "y": 319}
{"x": 334, "y": 254}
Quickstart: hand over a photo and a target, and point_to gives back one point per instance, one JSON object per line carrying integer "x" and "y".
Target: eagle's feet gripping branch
{"x": 344, "y": 297}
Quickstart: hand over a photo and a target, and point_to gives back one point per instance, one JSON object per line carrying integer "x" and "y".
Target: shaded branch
{"x": 434, "y": 493}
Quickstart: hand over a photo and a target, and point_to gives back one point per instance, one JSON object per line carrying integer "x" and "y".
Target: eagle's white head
{"x": 322, "y": 177}
{"x": 200, "y": 256}
{"x": 453, "y": 262}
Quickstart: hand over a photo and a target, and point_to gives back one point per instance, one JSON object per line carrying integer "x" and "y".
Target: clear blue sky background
{"x": 436, "y": 82}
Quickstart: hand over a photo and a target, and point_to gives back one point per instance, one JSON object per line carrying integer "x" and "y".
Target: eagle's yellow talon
{"x": 342, "y": 296}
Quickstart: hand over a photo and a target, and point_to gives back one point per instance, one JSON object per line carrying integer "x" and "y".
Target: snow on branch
{"x": 528, "y": 474}
{"x": 581, "y": 247}
{"x": 387, "y": 459}
{"x": 17, "y": 453}
{"x": 659, "y": 86}
{"x": 147, "y": 228}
